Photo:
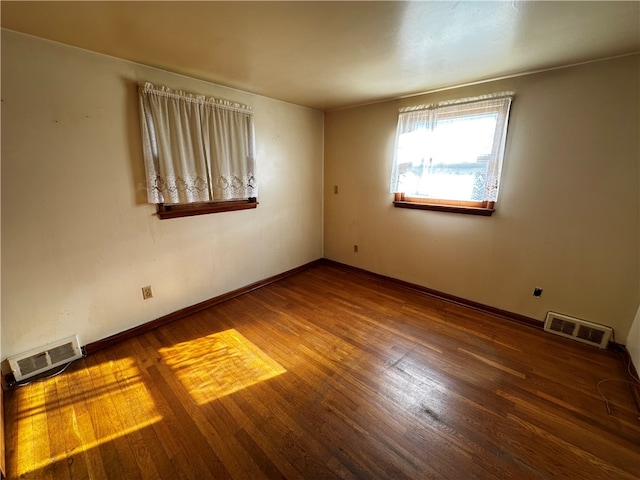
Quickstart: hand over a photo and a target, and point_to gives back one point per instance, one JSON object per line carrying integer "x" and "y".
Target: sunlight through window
{"x": 452, "y": 151}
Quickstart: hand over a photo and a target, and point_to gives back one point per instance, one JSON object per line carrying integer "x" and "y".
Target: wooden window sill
{"x": 189, "y": 210}
{"x": 439, "y": 207}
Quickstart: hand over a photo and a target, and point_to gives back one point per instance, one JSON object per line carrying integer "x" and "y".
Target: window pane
{"x": 464, "y": 140}
{"x": 451, "y": 161}
{"x": 453, "y": 150}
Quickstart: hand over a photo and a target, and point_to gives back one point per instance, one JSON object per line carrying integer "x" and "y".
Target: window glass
{"x": 451, "y": 151}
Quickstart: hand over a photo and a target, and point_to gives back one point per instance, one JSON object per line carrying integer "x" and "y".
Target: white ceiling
{"x": 330, "y": 55}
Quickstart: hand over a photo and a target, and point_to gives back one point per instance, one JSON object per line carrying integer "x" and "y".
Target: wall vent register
{"x": 45, "y": 358}
{"x": 577, "y": 329}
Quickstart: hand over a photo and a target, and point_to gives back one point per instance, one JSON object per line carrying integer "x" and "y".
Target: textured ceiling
{"x": 331, "y": 55}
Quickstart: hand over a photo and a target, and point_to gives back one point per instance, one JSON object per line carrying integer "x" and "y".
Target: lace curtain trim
{"x": 196, "y": 189}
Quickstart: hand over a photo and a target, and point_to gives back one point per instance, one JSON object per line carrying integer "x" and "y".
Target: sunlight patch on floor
{"x": 69, "y": 402}
{"x": 219, "y": 364}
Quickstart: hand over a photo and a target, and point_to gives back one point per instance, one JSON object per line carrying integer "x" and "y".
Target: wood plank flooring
{"x": 330, "y": 374}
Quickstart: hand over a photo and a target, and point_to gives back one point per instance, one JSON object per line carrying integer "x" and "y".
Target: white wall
{"x": 78, "y": 241}
{"x": 633, "y": 341}
{"x": 568, "y": 215}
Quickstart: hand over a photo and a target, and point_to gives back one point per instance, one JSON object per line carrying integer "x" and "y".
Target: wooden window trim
{"x": 484, "y": 208}
{"x": 203, "y": 208}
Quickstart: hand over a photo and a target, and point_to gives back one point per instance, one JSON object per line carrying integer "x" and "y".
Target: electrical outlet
{"x": 147, "y": 292}
{"x": 537, "y": 292}
{"x": 355, "y": 249}
{"x": 335, "y": 189}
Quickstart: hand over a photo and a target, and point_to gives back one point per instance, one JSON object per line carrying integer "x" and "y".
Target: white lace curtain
{"x": 196, "y": 149}
{"x": 418, "y": 135}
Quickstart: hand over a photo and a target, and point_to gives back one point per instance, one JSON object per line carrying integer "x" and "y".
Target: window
{"x": 448, "y": 155}
{"x": 198, "y": 153}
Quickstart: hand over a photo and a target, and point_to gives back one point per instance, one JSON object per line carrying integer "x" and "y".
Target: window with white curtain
{"x": 448, "y": 155}
{"x": 198, "y": 152}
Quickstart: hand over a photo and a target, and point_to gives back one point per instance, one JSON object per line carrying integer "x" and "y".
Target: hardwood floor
{"x": 330, "y": 374}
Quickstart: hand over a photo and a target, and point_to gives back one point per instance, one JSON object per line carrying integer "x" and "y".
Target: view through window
{"x": 451, "y": 152}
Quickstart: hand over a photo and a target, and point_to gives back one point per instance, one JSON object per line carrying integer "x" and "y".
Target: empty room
{"x": 320, "y": 239}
